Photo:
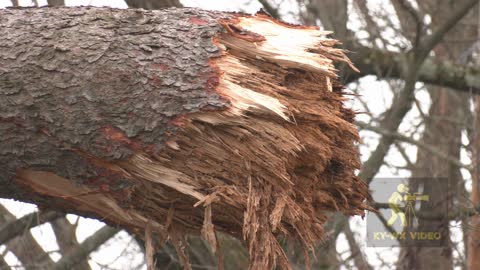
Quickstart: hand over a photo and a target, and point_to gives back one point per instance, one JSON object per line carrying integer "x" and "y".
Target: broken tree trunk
{"x": 187, "y": 120}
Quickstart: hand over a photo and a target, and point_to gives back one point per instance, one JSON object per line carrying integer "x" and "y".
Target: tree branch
{"x": 403, "y": 8}
{"x": 270, "y": 9}
{"x": 403, "y": 102}
{"x": 26, "y": 249}
{"x": 65, "y": 233}
{"x": 333, "y": 15}
{"x": 17, "y": 227}
{"x": 432, "y": 40}
{"x": 400, "y": 107}
{"x": 400, "y": 137}
{"x": 386, "y": 64}
{"x": 451, "y": 215}
{"x": 57, "y": 3}
{"x": 357, "y": 254}
{"x": 148, "y": 4}
{"x": 3, "y": 264}
{"x": 83, "y": 250}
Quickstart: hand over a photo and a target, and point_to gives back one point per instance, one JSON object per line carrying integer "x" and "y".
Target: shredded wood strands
{"x": 273, "y": 164}
{"x": 279, "y": 159}
{"x": 149, "y": 249}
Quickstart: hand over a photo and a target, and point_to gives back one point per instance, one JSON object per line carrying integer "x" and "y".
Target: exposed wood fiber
{"x": 268, "y": 153}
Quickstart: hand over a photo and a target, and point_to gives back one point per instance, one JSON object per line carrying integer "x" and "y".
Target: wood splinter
{"x": 139, "y": 116}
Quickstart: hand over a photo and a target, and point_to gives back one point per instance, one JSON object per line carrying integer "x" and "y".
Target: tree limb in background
{"x": 25, "y": 248}
{"x": 81, "y": 252}
{"x": 455, "y": 214}
{"x": 446, "y": 135}
{"x": 16, "y": 227}
{"x": 397, "y": 136}
{"x": 65, "y": 233}
{"x": 359, "y": 257}
{"x": 427, "y": 44}
{"x": 270, "y": 9}
{"x": 374, "y": 30}
{"x": 332, "y": 14}
{"x": 406, "y": 12}
{"x": 156, "y": 4}
{"x": 386, "y": 64}
{"x": 57, "y": 3}
{"x": 404, "y": 100}
{"x": 3, "y": 264}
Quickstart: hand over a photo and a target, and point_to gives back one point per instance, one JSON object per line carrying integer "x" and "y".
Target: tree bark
{"x": 135, "y": 116}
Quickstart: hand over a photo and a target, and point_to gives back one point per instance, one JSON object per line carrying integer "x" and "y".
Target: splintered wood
{"x": 273, "y": 165}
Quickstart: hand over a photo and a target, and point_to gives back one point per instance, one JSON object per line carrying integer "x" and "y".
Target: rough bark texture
{"x": 191, "y": 120}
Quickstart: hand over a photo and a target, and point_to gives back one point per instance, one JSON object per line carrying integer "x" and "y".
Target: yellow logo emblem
{"x": 407, "y": 213}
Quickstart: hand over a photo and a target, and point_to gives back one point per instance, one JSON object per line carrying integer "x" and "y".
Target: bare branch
{"x": 149, "y": 4}
{"x": 432, "y": 40}
{"x": 403, "y": 138}
{"x": 83, "y": 250}
{"x": 357, "y": 254}
{"x": 371, "y": 26}
{"x": 26, "y": 249}
{"x": 400, "y": 106}
{"x": 65, "y": 233}
{"x": 16, "y": 227}
{"x": 332, "y": 14}
{"x": 3, "y": 264}
{"x": 386, "y": 64}
{"x": 451, "y": 215}
{"x": 270, "y": 9}
{"x": 54, "y": 3}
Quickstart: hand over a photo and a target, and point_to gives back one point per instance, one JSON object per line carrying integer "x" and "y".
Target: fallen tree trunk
{"x": 188, "y": 120}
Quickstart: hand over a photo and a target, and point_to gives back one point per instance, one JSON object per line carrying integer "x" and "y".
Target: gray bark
{"x": 73, "y": 78}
